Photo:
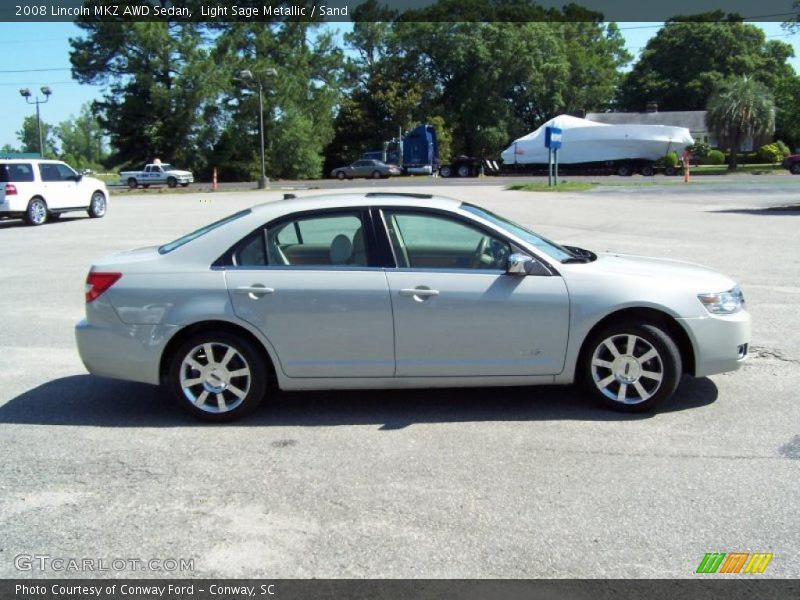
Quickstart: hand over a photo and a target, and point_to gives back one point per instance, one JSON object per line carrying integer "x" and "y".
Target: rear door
{"x": 308, "y": 284}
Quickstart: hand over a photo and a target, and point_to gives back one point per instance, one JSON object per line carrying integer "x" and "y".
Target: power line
{"x": 36, "y": 70}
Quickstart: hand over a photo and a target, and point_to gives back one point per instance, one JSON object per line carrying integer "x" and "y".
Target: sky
{"x": 36, "y": 54}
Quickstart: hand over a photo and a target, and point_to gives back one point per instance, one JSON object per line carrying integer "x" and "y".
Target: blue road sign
{"x": 552, "y": 138}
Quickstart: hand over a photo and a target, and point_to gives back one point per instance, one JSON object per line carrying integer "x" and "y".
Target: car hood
{"x": 93, "y": 181}
{"x": 681, "y": 274}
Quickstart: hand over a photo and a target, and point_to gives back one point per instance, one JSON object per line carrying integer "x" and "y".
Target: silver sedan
{"x": 387, "y": 290}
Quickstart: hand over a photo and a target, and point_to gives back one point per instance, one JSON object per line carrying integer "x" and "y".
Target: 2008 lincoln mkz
{"x": 386, "y": 290}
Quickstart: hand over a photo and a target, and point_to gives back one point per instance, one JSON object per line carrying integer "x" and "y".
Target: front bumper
{"x": 720, "y": 342}
{"x": 129, "y": 352}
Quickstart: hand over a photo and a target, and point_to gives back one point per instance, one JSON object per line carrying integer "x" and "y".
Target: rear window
{"x": 166, "y": 248}
{"x": 16, "y": 172}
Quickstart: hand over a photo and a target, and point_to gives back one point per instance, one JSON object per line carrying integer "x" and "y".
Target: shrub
{"x": 714, "y": 157}
{"x": 783, "y": 148}
{"x": 770, "y": 153}
{"x": 671, "y": 159}
{"x": 699, "y": 149}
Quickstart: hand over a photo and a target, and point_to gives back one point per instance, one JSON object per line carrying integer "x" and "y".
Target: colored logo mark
{"x": 734, "y": 562}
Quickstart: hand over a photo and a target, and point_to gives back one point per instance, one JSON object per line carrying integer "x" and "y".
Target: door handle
{"x": 255, "y": 291}
{"x": 419, "y": 292}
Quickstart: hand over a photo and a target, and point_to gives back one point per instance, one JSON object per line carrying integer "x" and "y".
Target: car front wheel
{"x": 97, "y": 206}
{"x": 795, "y": 168}
{"x": 631, "y": 367}
{"x": 172, "y": 182}
{"x": 217, "y": 376}
{"x": 37, "y": 212}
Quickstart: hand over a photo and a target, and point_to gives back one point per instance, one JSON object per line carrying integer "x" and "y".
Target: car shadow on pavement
{"x": 772, "y": 211}
{"x": 95, "y": 401}
{"x": 13, "y": 223}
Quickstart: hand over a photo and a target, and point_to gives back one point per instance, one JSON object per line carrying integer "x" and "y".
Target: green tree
{"x": 787, "y": 110}
{"x": 299, "y": 103}
{"x": 82, "y": 140}
{"x": 740, "y": 109}
{"x": 160, "y": 80}
{"x": 29, "y": 137}
{"x": 686, "y": 61}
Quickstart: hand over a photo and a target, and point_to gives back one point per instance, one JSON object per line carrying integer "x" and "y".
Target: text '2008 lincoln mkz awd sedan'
{"x": 386, "y": 290}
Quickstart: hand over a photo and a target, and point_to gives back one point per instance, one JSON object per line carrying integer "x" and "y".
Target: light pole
{"x": 247, "y": 75}
{"x": 26, "y": 93}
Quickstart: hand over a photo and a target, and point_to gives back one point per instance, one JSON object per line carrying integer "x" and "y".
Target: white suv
{"x": 36, "y": 190}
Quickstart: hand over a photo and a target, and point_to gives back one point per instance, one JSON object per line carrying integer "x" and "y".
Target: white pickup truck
{"x": 155, "y": 174}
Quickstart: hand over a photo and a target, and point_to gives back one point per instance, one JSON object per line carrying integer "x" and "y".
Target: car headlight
{"x": 723, "y": 303}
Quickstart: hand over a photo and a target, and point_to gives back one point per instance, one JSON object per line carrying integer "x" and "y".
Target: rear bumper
{"x": 130, "y": 352}
{"x": 720, "y": 342}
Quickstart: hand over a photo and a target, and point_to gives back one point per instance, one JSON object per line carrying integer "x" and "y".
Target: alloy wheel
{"x": 215, "y": 377}
{"x": 627, "y": 368}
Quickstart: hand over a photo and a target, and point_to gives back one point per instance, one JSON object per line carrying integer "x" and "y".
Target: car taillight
{"x": 97, "y": 283}
{"x": 11, "y": 189}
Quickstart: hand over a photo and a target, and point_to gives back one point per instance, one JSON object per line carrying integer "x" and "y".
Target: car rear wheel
{"x": 446, "y": 171}
{"x": 631, "y": 366}
{"x": 464, "y": 171}
{"x": 172, "y": 182}
{"x": 37, "y": 212}
{"x": 340, "y": 175}
{"x": 647, "y": 170}
{"x": 217, "y": 376}
{"x": 376, "y": 174}
{"x": 97, "y": 206}
{"x": 132, "y": 183}
{"x": 795, "y": 168}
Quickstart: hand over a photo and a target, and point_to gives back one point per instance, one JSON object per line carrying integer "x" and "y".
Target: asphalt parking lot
{"x": 518, "y": 482}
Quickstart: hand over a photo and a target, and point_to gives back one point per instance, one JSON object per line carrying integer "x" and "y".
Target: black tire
{"x": 376, "y": 174}
{"x": 247, "y": 356}
{"x": 647, "y": 170}
{"x": 98, "y": 206}
{"x": 340, "y": 175}
{"x": 132, "y": 183}
{"x": 624, "y": 170}
{"x": 446, "y": 171}
{"x": 36, "y": 213}
{"x": 172, "y": 182}
{"x": 794, "y": 169}
{"x": 670, "y": 171}
{"x": 464, "y": 171}
{"x": 606, "y": 382}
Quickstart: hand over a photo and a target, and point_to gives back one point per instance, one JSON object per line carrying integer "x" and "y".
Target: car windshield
{"x": 201, "y": 232}
{"x": 552, "y": 249}
{"x": 166, "y": 166}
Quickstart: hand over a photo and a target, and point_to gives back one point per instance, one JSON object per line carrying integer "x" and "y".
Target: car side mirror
{"x": 518, "y": 264}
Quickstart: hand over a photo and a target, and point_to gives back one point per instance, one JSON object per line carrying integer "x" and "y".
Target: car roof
{"x": 348, "y": 200}
{"x": 5, "y": 159}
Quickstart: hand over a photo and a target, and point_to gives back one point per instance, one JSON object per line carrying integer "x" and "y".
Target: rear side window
{"x": 16, "y": 172}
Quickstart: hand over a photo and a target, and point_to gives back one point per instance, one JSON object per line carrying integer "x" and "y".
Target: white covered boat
{"x": 585, "y": 141}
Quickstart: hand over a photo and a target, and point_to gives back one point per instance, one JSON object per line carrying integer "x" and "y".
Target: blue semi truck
{"x": 417, "y": 153}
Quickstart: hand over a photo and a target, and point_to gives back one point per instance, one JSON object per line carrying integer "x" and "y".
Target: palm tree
{"x": 740, "y": 109}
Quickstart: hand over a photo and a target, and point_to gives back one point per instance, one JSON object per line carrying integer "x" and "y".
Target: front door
{"x": 456, "y": 311}
{"x": 306, "y": 284}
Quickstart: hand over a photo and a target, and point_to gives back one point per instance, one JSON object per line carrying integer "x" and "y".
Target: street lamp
{"x": 247, "y": 75}
{"x": 26, "y": 93}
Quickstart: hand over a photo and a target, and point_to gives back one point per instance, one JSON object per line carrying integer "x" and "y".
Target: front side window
{"x": 429, "y": 241}
{"x": 322, "y": 240}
